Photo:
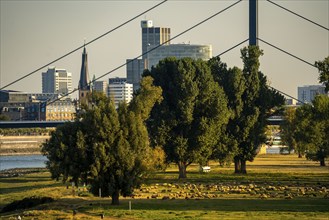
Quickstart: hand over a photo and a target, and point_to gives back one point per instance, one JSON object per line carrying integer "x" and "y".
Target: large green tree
{"x": 66, "y": 153}
{"x": 323, "y": 67}
{"x": 107, "y": 147}
{"x": 288, "y": 129}
{"x": 312, "y": 122}
{"x": 251, "y": 101}
{"x": 192, "y": 117}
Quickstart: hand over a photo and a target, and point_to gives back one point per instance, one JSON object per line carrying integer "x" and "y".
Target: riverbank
{"x": 15, "y": 172}
{"x": 21, "y": 145}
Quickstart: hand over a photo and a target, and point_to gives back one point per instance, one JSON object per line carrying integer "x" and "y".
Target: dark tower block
{"x": 253, "y": 22}
{"x": 84, "y": 83}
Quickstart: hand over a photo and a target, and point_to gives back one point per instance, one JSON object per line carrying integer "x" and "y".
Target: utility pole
{"x": 253, "y": 22}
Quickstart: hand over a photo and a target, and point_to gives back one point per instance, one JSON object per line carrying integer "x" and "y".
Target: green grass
{"x": 276, "y": 187}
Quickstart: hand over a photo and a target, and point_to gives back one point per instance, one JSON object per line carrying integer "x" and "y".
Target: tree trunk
{"x": 182, "y": 170}
{"x": 237, "y": 165}
{"x": 243, "y": 167}
{"x": 322, "y": 162}
{"x": 115, "y": 197}
{"x": 300, "y": 155}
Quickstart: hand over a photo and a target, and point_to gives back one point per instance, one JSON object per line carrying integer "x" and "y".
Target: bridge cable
{"x": 298, "y": 15}
{"x": 232, "y": 48}
{"x": 97, "y": 38}
{"x": 152, "y": 49}
{"x": 283, "y": 93}
{"x": 290, "y": 54}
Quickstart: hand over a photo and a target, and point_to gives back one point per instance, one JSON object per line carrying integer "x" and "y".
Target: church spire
{"x": 84, "y": 83}
{"x": 84, "y": 74}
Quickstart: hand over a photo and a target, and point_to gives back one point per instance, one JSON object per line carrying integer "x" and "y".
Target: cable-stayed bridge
{"x": 253, "y": 40}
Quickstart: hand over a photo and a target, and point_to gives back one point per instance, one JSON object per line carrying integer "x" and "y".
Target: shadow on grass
{"x": 6, "y": 190}
{"x": 237, "y": 205}
{"x": 25, "y": 179}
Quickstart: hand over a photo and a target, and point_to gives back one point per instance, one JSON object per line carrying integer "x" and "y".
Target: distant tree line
{"x": 24, "y": 131}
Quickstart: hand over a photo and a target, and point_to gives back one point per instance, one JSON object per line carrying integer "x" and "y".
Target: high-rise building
{"x": 307, "y": 93}
{"x": 135, "y": 69}
{"x": 120, "y": 92}
{"x": 101, "y": 86}
{"x": 203, "y": 52}
{"x": 56, "y": 81}
{"x": 151, "y": 36}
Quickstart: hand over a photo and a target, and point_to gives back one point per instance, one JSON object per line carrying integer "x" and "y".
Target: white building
{"x": 56, "y": 81}
{"x": 307, "y": 93}
{"x": 120, "y": 92}
{"x": 203, "y": 52}
{"x": 292, "y": 102}
{"x": 101, "y": 86}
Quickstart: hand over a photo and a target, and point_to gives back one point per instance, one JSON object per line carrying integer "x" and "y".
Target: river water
{"x": 22, "y": 161}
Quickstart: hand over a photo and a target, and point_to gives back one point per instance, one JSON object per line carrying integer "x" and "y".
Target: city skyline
{"x": 35, "y": 33}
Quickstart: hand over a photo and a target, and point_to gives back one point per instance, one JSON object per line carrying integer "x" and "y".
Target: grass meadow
{"x": 276, "y": 187}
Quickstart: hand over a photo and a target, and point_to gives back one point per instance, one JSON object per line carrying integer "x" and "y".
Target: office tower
{"x": 135, "y": 69}
{"x": 307, "y": 93}
{"x": 151, "y": 36}
{"x": 120, "y": 92}
{"x": 203, "y": 52}
{"x": 56, "y": 81}
{"x": 101, "y": 86}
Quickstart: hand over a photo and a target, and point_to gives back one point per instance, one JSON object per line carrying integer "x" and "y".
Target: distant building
{"x": 307, "y": 93}
{"x": 56, "y": 81}
{"x": 61, "y": 110}
{"x": 135, "y": 69}
{"x": 151, "y": 36}
{"x": 101, "y": 86}
{"x": 120, "y": 92}
{"x": 203, "y": 52}
{"x": 12, "y": 96}
{"x": 35, "y": 106}
{"x": 291, "y": 102}
{"x": 117, "y": 80}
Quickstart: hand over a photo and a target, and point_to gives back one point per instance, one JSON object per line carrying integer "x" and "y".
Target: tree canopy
{"x": 312, "y": 129}
{"x": 323, "y": 67}
{"x": 188, "y": 123}
{"x": 250, "y": 99}
{"x": 106, "y": 147}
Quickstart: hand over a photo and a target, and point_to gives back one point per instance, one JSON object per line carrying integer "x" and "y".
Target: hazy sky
{"x": 34, "y": 33}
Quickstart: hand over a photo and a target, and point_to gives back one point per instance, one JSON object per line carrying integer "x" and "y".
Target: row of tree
{"x": 306, "y": 128}
{"x": 210, "y": 111}
{"x": 191, "y": 110}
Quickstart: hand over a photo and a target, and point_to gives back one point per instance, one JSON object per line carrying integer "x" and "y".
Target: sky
{"x": 33, "y": 33}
